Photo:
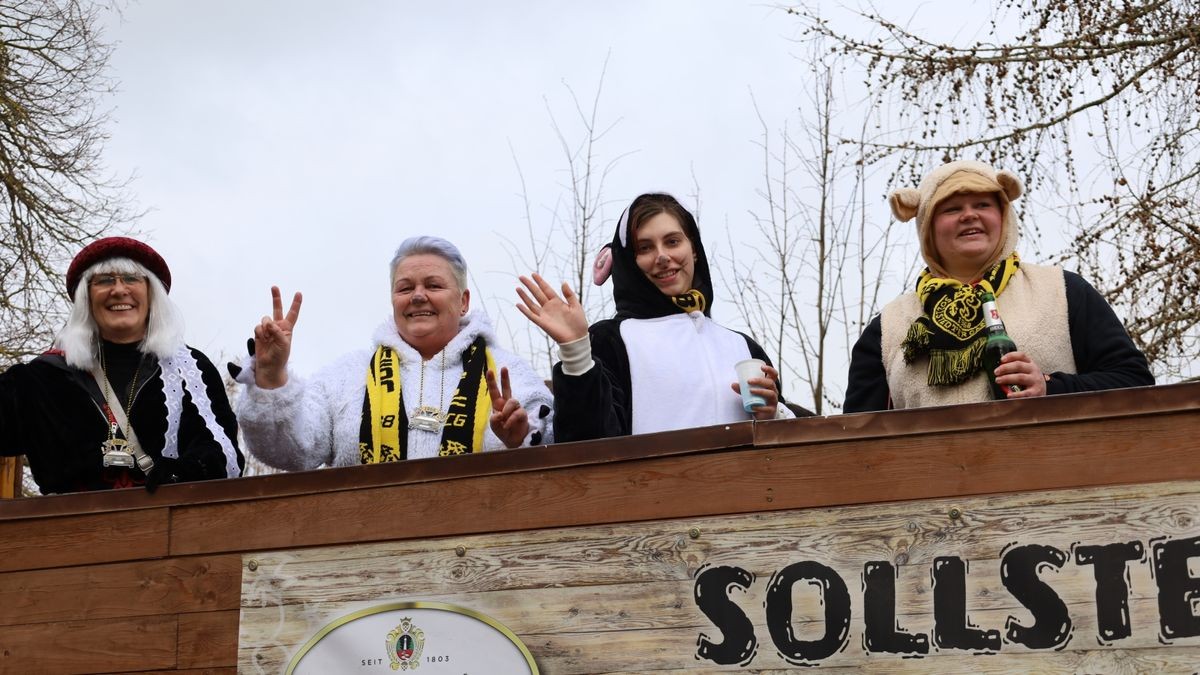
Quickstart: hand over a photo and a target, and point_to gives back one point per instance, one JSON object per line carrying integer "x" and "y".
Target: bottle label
{"x": 991, "y": 316}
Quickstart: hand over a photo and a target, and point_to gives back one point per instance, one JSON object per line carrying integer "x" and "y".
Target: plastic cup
{"x": 747, "y": 369}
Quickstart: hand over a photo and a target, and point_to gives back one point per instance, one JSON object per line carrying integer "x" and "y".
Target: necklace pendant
{"x": 116, "y": 453}
{"x": 427, "y": 418}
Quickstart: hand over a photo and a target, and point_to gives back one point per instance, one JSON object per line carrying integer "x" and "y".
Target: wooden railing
{"x": 10, "y": 477}
{"x": 127, "y": 581}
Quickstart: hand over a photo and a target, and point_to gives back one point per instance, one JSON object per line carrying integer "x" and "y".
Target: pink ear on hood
{"x": 904, "y": 203}
{"x": 1011, "y": 184}
{"x": 602, "y": 267}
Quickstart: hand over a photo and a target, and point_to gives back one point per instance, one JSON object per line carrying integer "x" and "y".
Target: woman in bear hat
{"x": 120, "y": 400}
{"x": 926, "y": 347}
{"x": 433, "y": 383}
{"x": 662, "y": 363}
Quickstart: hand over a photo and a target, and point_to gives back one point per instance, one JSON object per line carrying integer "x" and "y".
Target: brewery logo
{"x": 405, "y": 644}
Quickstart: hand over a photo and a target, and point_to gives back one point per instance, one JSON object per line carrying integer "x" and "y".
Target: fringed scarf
{"x": 383, "y": 434}
{"x": 951, "y": 329}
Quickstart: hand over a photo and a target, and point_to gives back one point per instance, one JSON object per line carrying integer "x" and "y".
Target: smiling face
{"x": 120, "y": 305}
{"x": 665, "y": 254}
{"x": 427, "y": 302}
{"x": 967, "y": 230}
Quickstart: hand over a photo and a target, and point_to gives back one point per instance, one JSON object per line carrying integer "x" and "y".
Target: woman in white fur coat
{"x": 426, "y": 387}
{"x": 926, "y": 348}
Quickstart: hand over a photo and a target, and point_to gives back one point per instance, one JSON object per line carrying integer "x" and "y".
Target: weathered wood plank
{"x": 143, "y": 588}
{"x": 1134, "y": 450}
{"x": 208, "y": 639}
{"x": 104, "y": 646}
{"x": 633, "y": 585}
{"x": 41, "y": 543}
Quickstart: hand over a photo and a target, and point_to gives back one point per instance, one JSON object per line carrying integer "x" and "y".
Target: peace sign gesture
{"x": 561, "y": 318}
{"x": 273, "y": 342}
{"x": 509, "y": 420}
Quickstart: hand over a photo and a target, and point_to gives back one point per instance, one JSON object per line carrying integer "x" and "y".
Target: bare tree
{"x": 1096, "y": 104}
{"x": 813, "y": 280}
{"x": 573, "y": 229}
{"x": 53, "y": 191}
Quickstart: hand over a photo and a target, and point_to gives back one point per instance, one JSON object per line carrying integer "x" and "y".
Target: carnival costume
{"x": 926, "y": 347}
{"x": 660, "y": 364}
{"x": 54, "y": 409}
{"x": 387, "y": 404}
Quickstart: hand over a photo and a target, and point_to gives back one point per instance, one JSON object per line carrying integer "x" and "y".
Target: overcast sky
{"x": 297, "y": 143}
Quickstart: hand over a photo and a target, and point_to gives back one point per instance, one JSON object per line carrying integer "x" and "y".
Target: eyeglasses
{"x": 110, "y": 280}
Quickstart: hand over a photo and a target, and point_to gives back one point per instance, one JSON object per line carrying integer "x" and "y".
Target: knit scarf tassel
{"x": 947, "y": 366}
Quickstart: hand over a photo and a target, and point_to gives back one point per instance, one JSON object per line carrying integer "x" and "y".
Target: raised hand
{"x": 273, "y": 342}
{"x": 560, "y": 318}
{"x": 509, "y": 420}
{"x": 767, "y": 387}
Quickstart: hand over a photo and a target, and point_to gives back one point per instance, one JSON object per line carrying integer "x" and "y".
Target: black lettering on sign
{"x": 1019, "y": 567}
{"x": 712, "y": 597}
{"x": 834, "y": 596}
{"x": 1178, "y": 591}
{"x": 883, "y": 632}
{"x": 951, "y": 628}
{"x": 1112, "y": 585}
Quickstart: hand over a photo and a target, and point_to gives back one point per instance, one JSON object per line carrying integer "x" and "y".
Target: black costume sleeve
{"x": 200, "y": 454}
{"x": 866, "y": 387}
{"x": 597, "y": 403}
{"x": 1105, "y": 356}
{"x": 10, "y": 411}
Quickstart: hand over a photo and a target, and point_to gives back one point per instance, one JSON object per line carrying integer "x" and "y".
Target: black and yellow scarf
{"x": 383, "y": 433}
{"x": 951, "y": 328}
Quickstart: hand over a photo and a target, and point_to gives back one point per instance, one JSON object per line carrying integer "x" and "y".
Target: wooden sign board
{"x": 1088, "y": 580}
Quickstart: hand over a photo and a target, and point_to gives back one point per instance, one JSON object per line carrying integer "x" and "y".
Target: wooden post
{"x": 10, "y": 477}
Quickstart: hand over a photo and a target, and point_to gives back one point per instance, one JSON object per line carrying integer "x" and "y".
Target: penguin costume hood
{"x": 635, "y": 295}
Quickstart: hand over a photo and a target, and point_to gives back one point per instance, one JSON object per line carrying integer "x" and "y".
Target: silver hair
{"x": 79, "y": 340}
{"x": 427, "y": 245}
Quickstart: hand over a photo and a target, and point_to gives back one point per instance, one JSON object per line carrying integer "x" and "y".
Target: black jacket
{"x": 50, "y": 412}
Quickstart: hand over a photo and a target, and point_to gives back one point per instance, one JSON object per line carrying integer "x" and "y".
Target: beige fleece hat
{"x": 948, "y": 180}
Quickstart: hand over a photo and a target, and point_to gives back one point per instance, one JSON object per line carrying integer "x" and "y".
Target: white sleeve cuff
{"x": 576, "y": 356}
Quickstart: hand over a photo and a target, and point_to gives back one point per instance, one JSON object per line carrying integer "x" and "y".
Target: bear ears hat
{"x": 117, "y": 247}
{"x": 950, "y": 179}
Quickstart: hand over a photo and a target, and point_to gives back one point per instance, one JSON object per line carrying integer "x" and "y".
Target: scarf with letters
{"x": 951, "y": 328}
{"x": 383, "y": 415}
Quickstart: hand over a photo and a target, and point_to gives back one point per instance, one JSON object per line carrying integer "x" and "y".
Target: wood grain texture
{"x": 10, "y": 477}
{"x": 599, "y": 598}
{"x": 41, "y": 543}
{"x": 108, "y": 646}
{"x": 208, "y": 639}
{"x": 1132, "y": 450}
{"x": 121, "y": 590}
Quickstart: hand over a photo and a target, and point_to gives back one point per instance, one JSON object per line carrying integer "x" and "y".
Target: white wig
{"x": 79, "y": 340}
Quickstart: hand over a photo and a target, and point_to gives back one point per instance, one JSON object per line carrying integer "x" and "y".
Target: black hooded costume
{"x": 658, "y": 366}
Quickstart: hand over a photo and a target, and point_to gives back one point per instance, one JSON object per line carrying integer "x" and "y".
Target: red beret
{"x": 117, "y": 247}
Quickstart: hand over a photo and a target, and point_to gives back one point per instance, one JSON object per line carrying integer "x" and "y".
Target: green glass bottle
{"x": 998, "y": 344}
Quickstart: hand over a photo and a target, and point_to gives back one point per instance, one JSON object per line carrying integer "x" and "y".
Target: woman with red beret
{"x": 121, "y": 400}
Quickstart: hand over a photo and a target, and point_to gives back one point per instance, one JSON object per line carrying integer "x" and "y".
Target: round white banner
{"x": 428, "y": 638}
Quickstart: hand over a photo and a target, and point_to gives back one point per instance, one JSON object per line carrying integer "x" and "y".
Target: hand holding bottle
{"x": 1016, "y": 368}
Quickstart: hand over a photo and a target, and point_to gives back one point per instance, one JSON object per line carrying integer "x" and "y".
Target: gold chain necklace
{"x": 116, "y": 450}
{"x": 426, "y": 417}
